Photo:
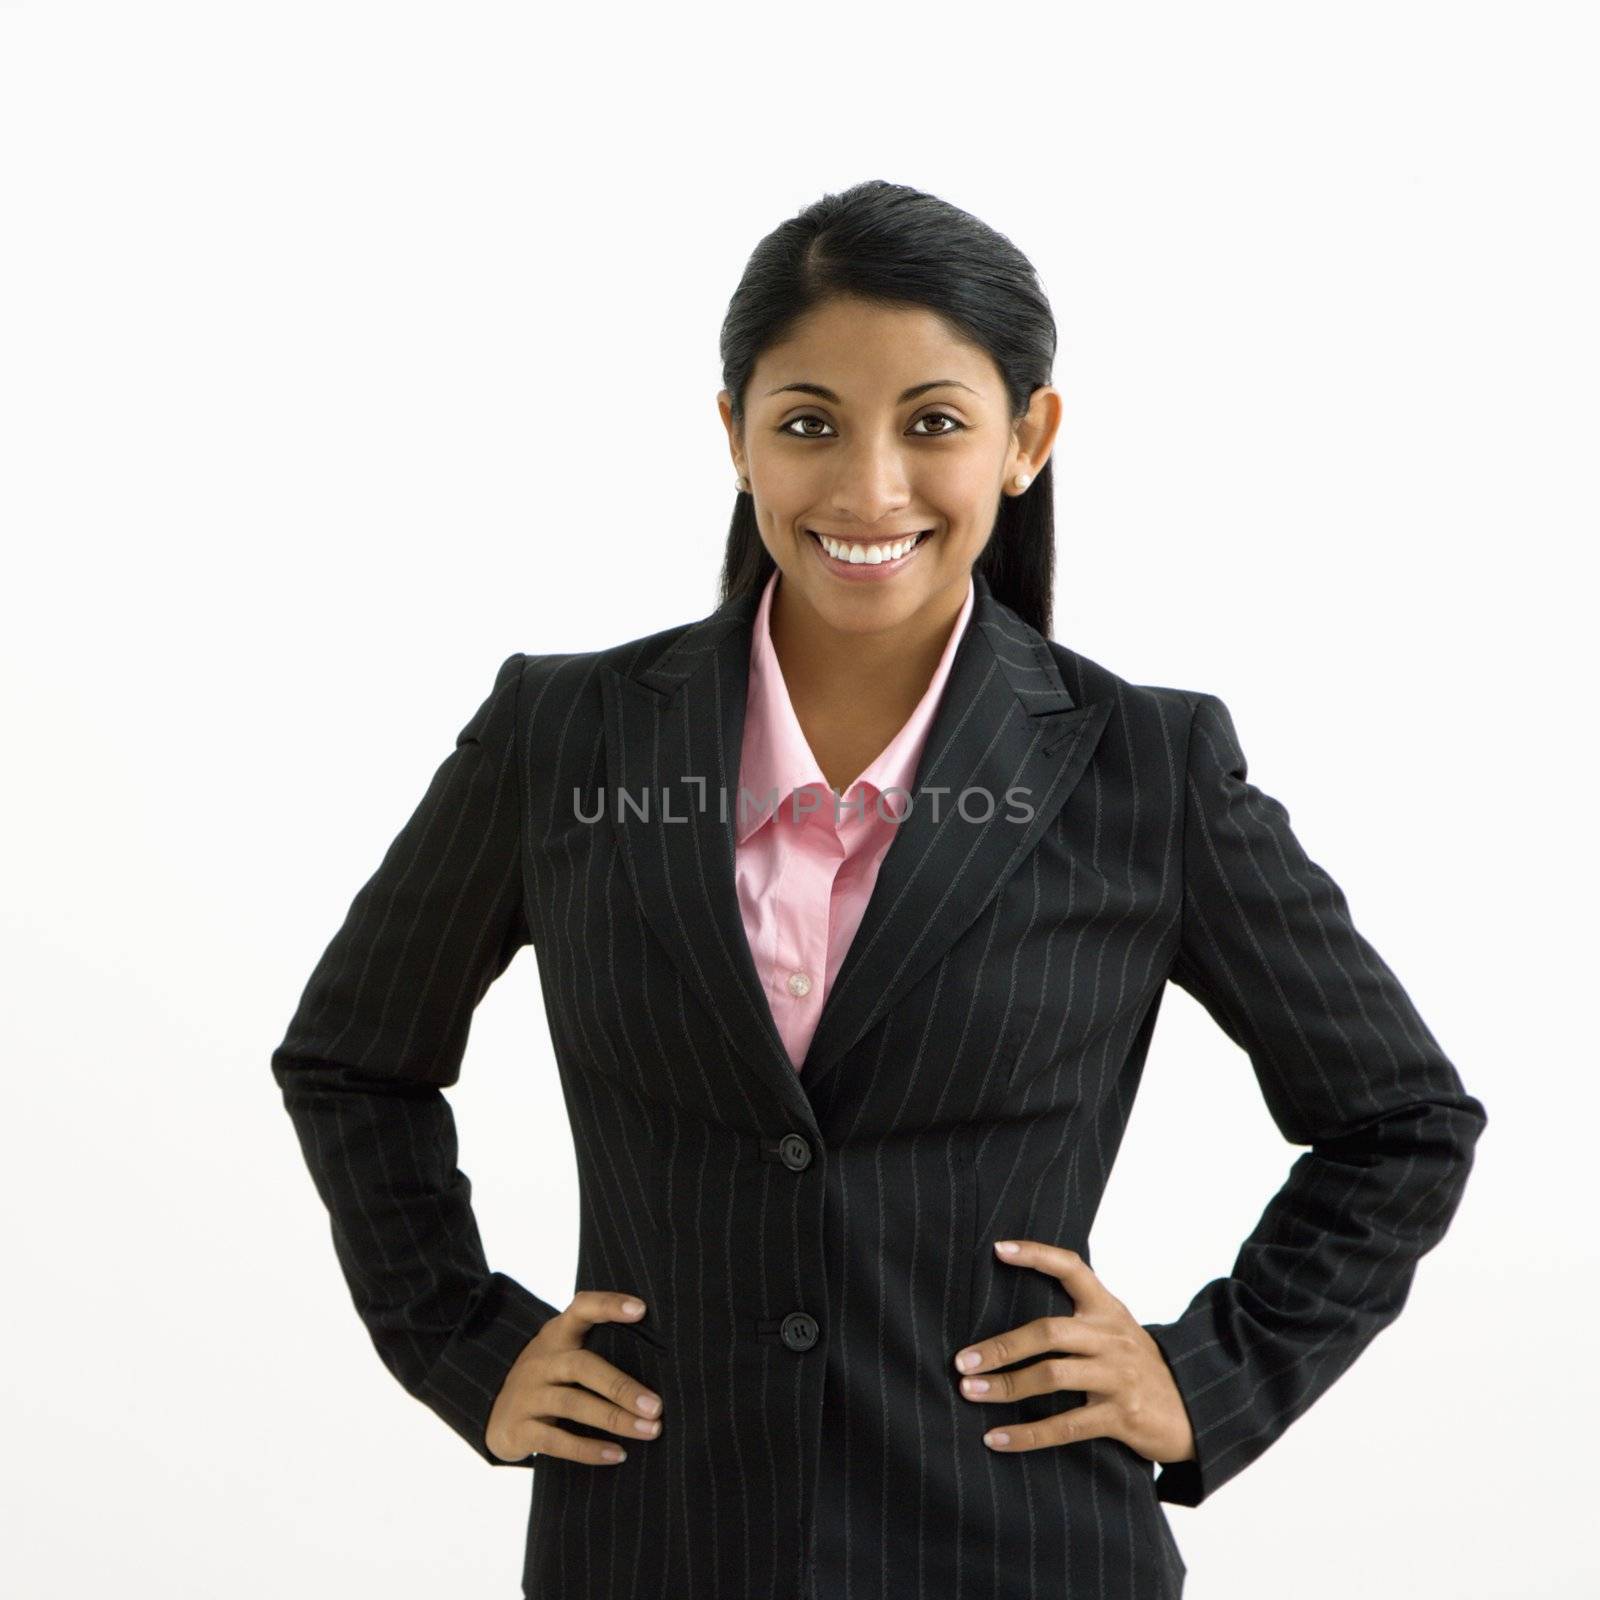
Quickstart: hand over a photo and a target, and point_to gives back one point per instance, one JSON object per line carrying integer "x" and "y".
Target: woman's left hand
{"x": 1099, "y": 1349}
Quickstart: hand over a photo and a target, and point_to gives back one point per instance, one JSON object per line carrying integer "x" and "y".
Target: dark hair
{"x": 898, "y": 246}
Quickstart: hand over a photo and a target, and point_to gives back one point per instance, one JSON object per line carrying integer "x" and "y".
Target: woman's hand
{"x": 555, "y": 1376}
{"x": 1099, "y": 1349}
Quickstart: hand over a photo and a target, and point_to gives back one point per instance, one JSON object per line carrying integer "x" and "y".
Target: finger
{"x": 545, "y": 1439}
{"x": 1093, "y": 1421}
{"x": 584, "y": 1405}
{"x": 1041, "y": 1336}
{"x": 591, "y": 1370}
{"x": 1076, "y": 1275}
{"x": 1068, "y": 1374}
{"x": 590, "y": 1306}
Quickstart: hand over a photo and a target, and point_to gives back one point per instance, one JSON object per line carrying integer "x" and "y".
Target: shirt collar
{"x": 776, "y": 758}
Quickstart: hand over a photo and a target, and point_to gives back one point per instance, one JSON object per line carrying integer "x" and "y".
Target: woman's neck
{"x": 851, "y": 692}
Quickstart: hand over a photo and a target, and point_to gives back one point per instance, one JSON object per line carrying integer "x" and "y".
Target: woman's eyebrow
{"x": 909, "y": 394}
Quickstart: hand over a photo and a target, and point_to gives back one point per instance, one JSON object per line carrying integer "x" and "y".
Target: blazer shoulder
{"x": 571, "y": 678}
{"x": 1090, "y": 680}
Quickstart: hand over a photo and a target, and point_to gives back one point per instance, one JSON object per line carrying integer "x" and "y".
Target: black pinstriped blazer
{"x": 815, "y": 1247}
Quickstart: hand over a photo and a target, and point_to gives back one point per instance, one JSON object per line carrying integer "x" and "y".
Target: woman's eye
{"x": 955, "y": 425}
{"x": 807, "y": 418}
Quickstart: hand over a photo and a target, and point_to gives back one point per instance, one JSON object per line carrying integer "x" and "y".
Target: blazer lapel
{"x": 1006, "y": 724}
{"x": 674, "y": 729}
{"x": 673, "y": 736}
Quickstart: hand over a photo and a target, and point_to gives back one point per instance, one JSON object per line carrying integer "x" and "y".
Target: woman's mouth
{"x": 855, "y": 559}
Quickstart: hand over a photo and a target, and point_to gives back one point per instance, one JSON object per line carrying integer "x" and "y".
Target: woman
{"x": 853, "y": 904}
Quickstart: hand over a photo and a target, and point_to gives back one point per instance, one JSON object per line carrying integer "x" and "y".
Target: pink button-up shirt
{"x": 805, "y": 866}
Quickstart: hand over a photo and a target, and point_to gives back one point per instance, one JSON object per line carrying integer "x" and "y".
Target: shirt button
{"x": 799, "y": 983}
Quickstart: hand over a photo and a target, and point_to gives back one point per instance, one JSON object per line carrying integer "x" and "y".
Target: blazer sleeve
{"x": 379, "y": 1032}
{"x": 1349, "y": 1070}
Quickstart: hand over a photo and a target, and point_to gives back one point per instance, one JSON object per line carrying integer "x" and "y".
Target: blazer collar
{"x": 673, "y": 734}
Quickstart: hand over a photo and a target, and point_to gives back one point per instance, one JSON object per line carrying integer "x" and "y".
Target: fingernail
{"x": 975, "y": 1385}
{"x": 1006, "y": 1247}
{"x": 612, "y": 1453}
{"x": 968, "y": 1359}
{"x": 997, "y": 1438}
{"x": 633, "y": 1307}
{"x": 650, "y": 1404}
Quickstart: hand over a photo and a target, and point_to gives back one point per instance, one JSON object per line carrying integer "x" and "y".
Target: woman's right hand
{"x": 556, "y": 1376}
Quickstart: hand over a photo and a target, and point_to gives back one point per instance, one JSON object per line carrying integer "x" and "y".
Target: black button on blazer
{"x": 815, "y": 1247}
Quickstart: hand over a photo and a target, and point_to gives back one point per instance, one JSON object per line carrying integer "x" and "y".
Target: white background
{"x": 346, "y": 349}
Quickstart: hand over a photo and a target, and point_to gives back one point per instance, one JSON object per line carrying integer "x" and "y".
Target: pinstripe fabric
{"x": 814, "y": 1247}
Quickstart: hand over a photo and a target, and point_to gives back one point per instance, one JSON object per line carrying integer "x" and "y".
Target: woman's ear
{"x": 735, "y": 441}
{"x": 1035, "y": 432}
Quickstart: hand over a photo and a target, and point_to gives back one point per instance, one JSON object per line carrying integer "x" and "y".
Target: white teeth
{"x": 870, "y": 554}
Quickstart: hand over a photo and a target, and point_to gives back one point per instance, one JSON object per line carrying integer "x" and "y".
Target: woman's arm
{"x": 380, "y": 1030}
{"x": 1347, "y": 1067}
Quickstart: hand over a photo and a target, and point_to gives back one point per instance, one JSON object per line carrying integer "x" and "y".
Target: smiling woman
{"x": 877, "y": 447}
{"x": 821, "y": 1059}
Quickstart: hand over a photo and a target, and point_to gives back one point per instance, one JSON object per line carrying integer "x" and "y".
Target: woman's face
{"x": 868, "y": 425}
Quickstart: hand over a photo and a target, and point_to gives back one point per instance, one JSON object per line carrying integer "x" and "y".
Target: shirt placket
{"x": 813, "y": 846}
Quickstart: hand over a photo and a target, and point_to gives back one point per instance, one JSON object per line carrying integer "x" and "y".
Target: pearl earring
{"x": 1022, "y": 480}
{"x": 742, "y": 484}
